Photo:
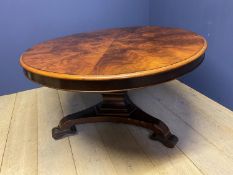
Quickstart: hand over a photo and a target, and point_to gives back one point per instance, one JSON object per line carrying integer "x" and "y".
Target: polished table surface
{"x": 127, "y": 57}
{"x": 113, "y": 61}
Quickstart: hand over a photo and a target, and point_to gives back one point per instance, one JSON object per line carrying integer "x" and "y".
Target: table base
{"x": 118, "y": 108}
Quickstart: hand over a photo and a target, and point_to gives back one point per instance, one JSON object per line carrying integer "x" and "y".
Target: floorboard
{"x": 203, "y": 126}
{"x": 20, "y": 156}
{"x": 6, "y": 109}
{"x": 54, "y": 157}
{"x": 125, "y": 154}
{"x": 210, "y": 120}
{"x": 200, "y": 151}
{"x": 167, "y": 161}
{"x": 89, "y": 152}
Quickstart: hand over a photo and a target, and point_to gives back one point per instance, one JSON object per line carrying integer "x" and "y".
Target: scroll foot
{"x": 169, "y": 141}
{"x": 57, "y": 133}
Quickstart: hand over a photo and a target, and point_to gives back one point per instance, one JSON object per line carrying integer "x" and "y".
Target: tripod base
{"x": 117, "y": 108}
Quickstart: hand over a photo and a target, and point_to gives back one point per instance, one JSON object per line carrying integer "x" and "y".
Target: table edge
{"x": 113, "y": 84}
{"x": 119, "y": 76}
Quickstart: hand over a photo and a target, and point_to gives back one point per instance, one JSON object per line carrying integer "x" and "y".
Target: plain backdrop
{"x": 214, "y": 20}
{"x": 24, "y": 23}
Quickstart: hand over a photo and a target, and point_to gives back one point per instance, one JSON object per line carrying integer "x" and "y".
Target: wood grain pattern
{"x": 20, "y": 156}
{"x": 53, "y": 157}
{"x": 114, "y": 53}
{"x": 89, "y": 152}
{"x": 215, "y": 127}
{"x": 100, "y": 149}
{"x": 125, "y": 153}
{"x": 167, "y": 161}
{"x": 192, "y": 142}
{"x": 7, "y": 103}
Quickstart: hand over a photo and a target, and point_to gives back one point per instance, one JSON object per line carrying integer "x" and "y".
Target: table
{"x": 113, "y": 62}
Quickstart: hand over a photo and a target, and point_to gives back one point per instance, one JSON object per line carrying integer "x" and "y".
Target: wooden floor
{"x": 205, "y": 130}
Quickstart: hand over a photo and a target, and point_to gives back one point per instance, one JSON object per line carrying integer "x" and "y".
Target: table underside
{"x": 118, "y": 108}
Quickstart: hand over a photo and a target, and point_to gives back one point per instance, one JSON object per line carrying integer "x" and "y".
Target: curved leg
{"x": 67, "y": 127}
{"x": 116, "y": 107}
{"x": 160, "y": 130}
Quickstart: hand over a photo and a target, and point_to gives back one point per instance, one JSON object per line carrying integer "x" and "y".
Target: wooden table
{"x": 112, "y": 62}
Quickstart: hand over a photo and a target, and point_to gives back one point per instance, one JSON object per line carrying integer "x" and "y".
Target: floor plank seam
{"x": 37, "y": 131}
{"x": 141, "y": 147}
{"x": 201, "y": 97}
{"x": 190, "y": 160}
{"x": 206, "y": 139}
{"x": 169, "y": 148}
{"x": 12, "y": 113}
{"x": 102, "y": 139}
{"x": 72, "y": 154}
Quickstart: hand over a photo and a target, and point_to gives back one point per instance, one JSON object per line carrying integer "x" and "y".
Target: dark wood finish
{"x": 113, "y": 85}
{"x": 115, "y": 59}
{"x": 117, "y": 108}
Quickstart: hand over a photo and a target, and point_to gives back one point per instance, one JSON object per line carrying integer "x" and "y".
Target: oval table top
{"x": 114, "y": 59}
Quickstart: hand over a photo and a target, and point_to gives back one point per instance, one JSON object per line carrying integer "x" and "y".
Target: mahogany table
{"x": 112, "y": 62}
